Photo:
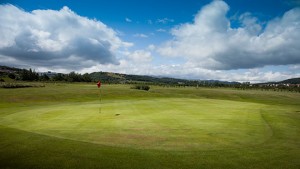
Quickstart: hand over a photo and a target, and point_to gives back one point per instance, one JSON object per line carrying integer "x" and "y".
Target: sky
{"x": 246, "y": 40}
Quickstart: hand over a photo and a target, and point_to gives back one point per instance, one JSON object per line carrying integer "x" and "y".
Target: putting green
{"x": 165, "y": 124}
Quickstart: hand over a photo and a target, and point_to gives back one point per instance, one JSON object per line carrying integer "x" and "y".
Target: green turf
{"x": 60, "y": 126}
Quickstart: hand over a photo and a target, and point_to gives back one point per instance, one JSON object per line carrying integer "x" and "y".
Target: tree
{"x": 73, "y": 77}
{"x": 29, "y": 75}
{"x": 44, "y": 77}
{"x": 12, "y": 76}
{"x": 59, "y": 77}
{"x": 86, "y": 77}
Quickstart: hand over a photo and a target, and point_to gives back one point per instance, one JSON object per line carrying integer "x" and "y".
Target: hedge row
{"x": 19, "y": 85}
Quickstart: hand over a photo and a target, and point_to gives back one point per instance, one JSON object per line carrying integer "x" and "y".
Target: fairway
{"x": 65, "y": 126}
{"x": 169, "y": 124}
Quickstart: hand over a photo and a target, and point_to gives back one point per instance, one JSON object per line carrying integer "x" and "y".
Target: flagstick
{"x": 99, "y": 86}
{"x": 100, "y": 100}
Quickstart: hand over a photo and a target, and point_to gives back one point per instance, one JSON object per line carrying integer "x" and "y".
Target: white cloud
{"x": 58, "y": 39}
{"x": 62, "y": 41}
{"x": 164, "y": 20}
{"x": 151, "y": 47}
{"x": 161, "y": 30}
{"x": 252, "y": 75}
{"x": 140, "y": 35}
{"x": 183, "y": 71}
{"x": 295, "y": 67}
{"x": 140, "y": 56}
{"x": 210, "y": 42}
{"x": 128, "y": 20}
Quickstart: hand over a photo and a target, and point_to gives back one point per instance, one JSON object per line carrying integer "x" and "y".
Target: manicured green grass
{"x": 61, "y": 126}
{"x": 168, "y": 124}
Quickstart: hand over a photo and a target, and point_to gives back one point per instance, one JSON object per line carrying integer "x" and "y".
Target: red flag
{"x": 99, "y": 84}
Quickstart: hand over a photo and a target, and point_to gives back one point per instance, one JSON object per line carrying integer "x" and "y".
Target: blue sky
{"x": 245, "y": 40}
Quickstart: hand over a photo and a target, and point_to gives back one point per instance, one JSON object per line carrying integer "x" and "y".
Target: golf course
{"x": 75, "y": 125}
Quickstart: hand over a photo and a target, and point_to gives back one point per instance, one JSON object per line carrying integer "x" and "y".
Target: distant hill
{"x": 291, "y": 81}
{"x": 110, "y": 77}
{"x": 218, "y": 82}
{"x": 125, "y": 78}
{"x": 6, "y": 69}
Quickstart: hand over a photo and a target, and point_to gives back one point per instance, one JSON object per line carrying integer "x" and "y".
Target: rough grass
{"x": 60, "y": 126}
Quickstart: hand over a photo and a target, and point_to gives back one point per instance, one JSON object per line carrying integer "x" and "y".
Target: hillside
{"x": 110, "y": 77}
{"x": 291, "y": 81}
{"x": 6, "y": 69}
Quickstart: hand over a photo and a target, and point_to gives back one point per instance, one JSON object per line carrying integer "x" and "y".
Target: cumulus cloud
{"x": 184, "y": 71}
{"x": 50, "y": 38}
{"x": 210, "y": 42}
{"x": 151, "y": 47}
{"x": 139, "y": 56}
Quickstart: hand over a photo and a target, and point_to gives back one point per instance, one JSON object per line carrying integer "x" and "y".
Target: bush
{"x": 145, "y": 88}
{"x": 141, "y": 87}
{"x": 12, "y": 76}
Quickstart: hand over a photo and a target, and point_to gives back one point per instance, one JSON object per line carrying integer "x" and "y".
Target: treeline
{"x": 22, "y": 74}
{"x": 30, "y": 75}
{"x": 292, "y": 85}
{"x": 106, "y": 77}
{"x": 72, "y": 77}
{"x": 279, "y": 87}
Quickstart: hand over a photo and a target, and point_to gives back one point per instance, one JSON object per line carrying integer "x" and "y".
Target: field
{"x": 65, "y": 126}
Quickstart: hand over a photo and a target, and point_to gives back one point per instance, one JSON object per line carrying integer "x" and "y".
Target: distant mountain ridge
{"x": 9, "y": 69}
{"x": 125, "y": 78}
{"x": 291, "y": 81}
{"x": 111, "y": 77}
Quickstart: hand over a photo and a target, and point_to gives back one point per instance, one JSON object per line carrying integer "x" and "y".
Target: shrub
{"x": 141, "y": 87}
{"x": 12, "y": 76}
{"x": 145, "y": 88}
